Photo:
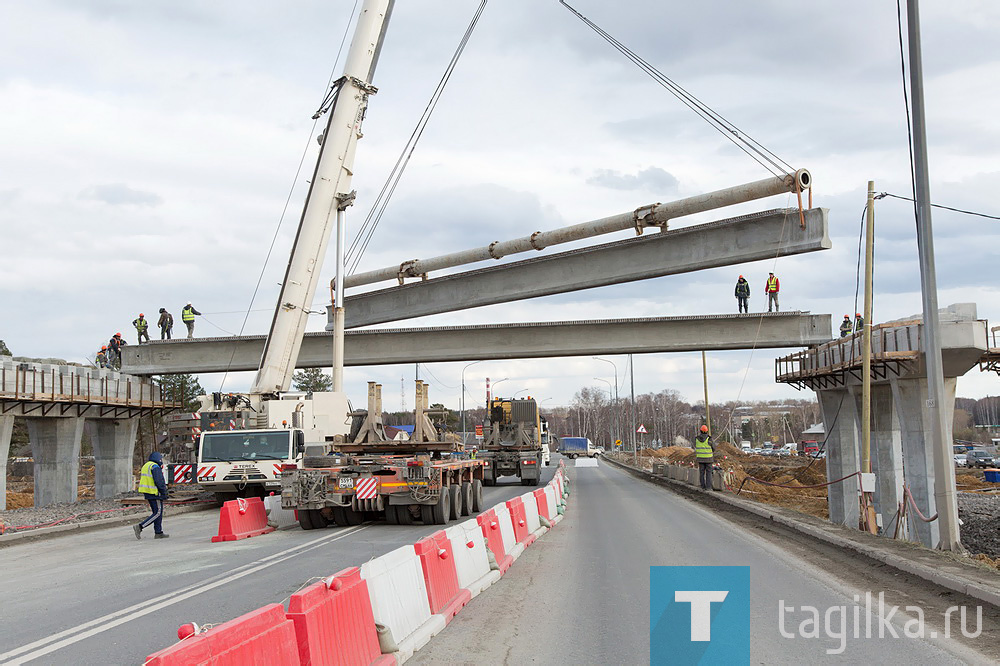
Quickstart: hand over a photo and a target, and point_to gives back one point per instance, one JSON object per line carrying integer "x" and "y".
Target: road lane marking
{"x": 111, "y": 620}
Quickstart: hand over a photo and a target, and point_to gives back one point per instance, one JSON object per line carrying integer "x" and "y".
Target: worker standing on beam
{"x": 771, "y": 288}
{"x": 141, "y": 327}
{"x": 166, "y": 324}
{"x": 154, "y": 489}
{"x": 845, "y": 326}
{"x": 102, "y": 358}
{"x": 743, "y": 295}
{"x": 704, "y": 453}
{"x": 115, "y": 345}
{"x": 859, "y": 322}
{"x": 187, "y": 316}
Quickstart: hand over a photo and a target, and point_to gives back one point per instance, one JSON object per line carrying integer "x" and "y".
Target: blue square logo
{"x": 699, "y": 615}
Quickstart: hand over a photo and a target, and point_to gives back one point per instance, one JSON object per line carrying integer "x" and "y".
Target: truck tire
{"x": 319, "y": 521}
{"x": 441, "y": 512}
{"x": 489, "y": 482}
{"x": 467, "y": 499}
{"x": 391, "y": 515}
{"x": 456, "y": 501}
{"x": 403, "y": 514}
{"x": 305, "y": 519}
{"x": 344, "y": 516}
{"x": 427, "y": 514}
{"x": 477, "y": 495}
{"x": 527, "y": 482}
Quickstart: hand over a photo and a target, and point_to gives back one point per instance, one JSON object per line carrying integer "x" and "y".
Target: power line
{"x": 957, "y": 210}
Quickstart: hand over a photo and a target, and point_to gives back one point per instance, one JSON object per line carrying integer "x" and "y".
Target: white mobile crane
{"x": 275, "y": 426}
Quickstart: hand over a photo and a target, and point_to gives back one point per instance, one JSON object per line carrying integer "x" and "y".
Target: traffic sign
{"x": 618, "y": 442}
{"x": 642, "y": 429}
{"x": 479, "y": 431}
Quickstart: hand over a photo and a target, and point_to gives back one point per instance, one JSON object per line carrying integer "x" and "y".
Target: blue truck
{"x": 574, "y": 447}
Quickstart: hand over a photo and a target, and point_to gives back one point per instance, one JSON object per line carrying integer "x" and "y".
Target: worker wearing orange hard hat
{"x": 845, "y": 326}
{"x": 141, "y": 327}
{"x": 102, "y": 358}
{"x": 742, "y": 294}
{"x": 859, "y": 322}
{"x": 115, "y": 345}
{"x": 704, "y": 453}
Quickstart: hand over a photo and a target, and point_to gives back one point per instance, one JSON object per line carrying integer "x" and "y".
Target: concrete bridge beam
{"x": 55, "y": 446}
{"x": 6, "y": 428}
{"x": 114, "y": 444}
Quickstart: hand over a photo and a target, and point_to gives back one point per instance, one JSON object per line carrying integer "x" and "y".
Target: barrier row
{"x": 389, "y": 607}
{"x": 689, "y": 475}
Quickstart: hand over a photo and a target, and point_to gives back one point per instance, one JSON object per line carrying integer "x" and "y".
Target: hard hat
{"x": 857, "y": 314}
{"x": 104, "y": 347}
{"x": 163, "y": 309}
{"x": 704, "y": 428}
{"x": 141, "y": 315}
{"x": 189, "y": 303}
{"x": 741, "y": 277}
{"x": 118, "y": 335}
{"x": 847, "y": 316}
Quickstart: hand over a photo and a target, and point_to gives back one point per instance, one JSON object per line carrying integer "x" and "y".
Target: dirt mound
{"x": 971, "y": 482}
{"x": 728, "y": 450}
{"x": 17, "y": 500}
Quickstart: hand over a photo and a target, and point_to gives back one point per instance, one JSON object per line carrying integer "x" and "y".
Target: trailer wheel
{"x": 477, "y": 495}
{"x": 319, "y": 521}
{"x": 392, "y": 515}
{"x": 441, "y": 511}
{"x": 305, "y": 519}
{"x": 427, "y": 514}
{"x": 456, "y": 501}
{"x": 404, "y": 515}
{"x": 467, "y": 499}
{"x": 344, "y": 516}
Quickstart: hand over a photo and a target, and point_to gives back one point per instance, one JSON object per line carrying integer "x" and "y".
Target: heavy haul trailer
{"x": 426, "y": 478}
{"x": 513, "y": 442}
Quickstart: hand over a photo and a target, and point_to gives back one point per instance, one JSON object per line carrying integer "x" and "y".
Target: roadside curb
{"x": 854, "y": 542}
{"x": 44, "y": 533}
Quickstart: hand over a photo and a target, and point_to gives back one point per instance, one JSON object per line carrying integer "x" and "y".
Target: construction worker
{"x": 166, "y": 324}
{"x": 102, "y": 358}
{"x": 771, "y": 288}
{"x": 704, "y": 453}
{"x": 859, "y": 322}
{"x": 845, "y": 326}
{"x": 742, "y": 294}
{"x": 154, "y": 489}
{"x": 187, "y": 316}
{"x": 115, "y": 345}
{"x": 141, "y": 327}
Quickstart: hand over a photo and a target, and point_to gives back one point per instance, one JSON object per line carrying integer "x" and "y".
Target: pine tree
{"x": 184, "y": 388}
{"x": 312, "y": 380}
{"x": 3, "y": 349}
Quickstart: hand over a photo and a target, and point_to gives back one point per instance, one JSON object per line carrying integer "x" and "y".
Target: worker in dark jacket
{"x": 166, "y": 324}
{"x": 859, "y": 322}
{"x": 153, "y": 487}
{"x": 102, "y": 358}
{"x": 115, "y": 345}
{"x": 845, "y": 326}
{"x": 704, "y": 453}
{"x": 742, "y": 294}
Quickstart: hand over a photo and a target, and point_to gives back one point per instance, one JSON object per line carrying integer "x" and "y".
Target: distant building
{"x": 399, "y": 433}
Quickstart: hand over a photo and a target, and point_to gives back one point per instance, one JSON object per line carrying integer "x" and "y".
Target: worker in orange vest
{"x": 771, "y": 288}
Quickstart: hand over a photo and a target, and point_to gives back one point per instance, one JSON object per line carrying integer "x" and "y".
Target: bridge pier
{"x": 6, "y": 429}
{"x": 114, "y": 443}
{"x": 842, "y": 433}
{"x": 886, "y": 453}
{"x": 55, "y": 446}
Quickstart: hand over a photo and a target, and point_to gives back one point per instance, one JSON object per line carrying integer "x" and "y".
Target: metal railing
{"x": 24, "y": 382}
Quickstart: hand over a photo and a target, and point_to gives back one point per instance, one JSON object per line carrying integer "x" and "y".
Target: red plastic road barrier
{"x": 334, "y": 625}
{"x": 494, "y": 539}
{"x": 242, "y": 518}
{"x": 543, "y": 503}
{"x": 262, "y": 636}
{"x": 440, "y": 576}
{"x": 520, "y": 522}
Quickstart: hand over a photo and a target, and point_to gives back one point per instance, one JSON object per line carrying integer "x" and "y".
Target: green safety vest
{"x": 146, "y": 484}
{"x": 702, "y": 449}
{"x": 141, "y": 324}
{"x": 187, "y": 314}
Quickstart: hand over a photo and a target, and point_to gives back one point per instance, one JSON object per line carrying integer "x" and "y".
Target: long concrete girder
{"x": 493, "y": 341}
{"x": 737, "y": 240}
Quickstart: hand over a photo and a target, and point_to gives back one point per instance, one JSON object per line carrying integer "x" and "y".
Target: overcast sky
{"x": 148, "y": 150}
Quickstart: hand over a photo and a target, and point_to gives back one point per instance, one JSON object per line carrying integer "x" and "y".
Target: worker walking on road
{"x": 154, "y": 489}
{"x": 845, "y": 326}
{"x": 771, "y": 288}
{"x": 859, "y": 322}
{"x": 141, "y": 327}
{"x": 704, "y": 453}
{"x": 166, "y": 324}
{"x": 187, "y": 316}
{"x": 742, "y": 294}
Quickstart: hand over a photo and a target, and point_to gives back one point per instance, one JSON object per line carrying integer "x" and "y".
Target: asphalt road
{"x": 104, "y": 598}
{"x": 580, "y": 595}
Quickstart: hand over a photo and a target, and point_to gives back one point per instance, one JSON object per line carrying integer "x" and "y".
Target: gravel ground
{"x": 78, "y": 512}
{"x": 980, "y": 516}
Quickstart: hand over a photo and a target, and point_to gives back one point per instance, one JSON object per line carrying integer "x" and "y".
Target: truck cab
{"x": 247, "y": 462}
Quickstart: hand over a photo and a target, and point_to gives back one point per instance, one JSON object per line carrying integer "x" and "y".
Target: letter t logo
{"x": 701, "y": 610}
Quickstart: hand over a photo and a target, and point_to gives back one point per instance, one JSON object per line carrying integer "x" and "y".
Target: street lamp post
{"x": 610, "y": 395}
{"x": 463, "y": 398}
{"x": 618, "y": 429}
{"x": 520, "y": 391}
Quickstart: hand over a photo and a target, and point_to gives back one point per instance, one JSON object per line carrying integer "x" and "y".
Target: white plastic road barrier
{"x": 531, "y": 515}
{"x": 586, "y": 462}
{"x": 510, "y": 544}
{"x": 471, "y": 560}
{"x": 276, "y": 516}
{"x": 559, "y": 487}
{"x": 399, "y": 599}
{"x": 550, "y": 497}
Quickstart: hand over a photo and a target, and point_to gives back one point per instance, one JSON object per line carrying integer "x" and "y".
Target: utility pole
{"x": 945, "y": 493}
{"x": 868, "y": 519}
{"x": 704, "y": 377}
{"x": 631, "y": 371}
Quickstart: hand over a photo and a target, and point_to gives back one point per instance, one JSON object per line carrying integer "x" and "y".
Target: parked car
{"x": 960, "y": 459}
{"x": 978, "y": 458}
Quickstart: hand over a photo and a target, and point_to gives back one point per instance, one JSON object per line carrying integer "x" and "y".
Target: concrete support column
{"x": 114, "y": 445}
{"x": 55, "y": 445}
{"x": 6, "y": 428}
{"x": 887, "y": 455}
{"x": 910, "y": 398}
{"x": 840, "y": 417}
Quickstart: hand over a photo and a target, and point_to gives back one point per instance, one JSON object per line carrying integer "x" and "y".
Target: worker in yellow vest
{"x": 771, "y": 288}
{"x": 154, "y": 489}
{"x": 704, "y": 453}
{"x": 187, "y": 316}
